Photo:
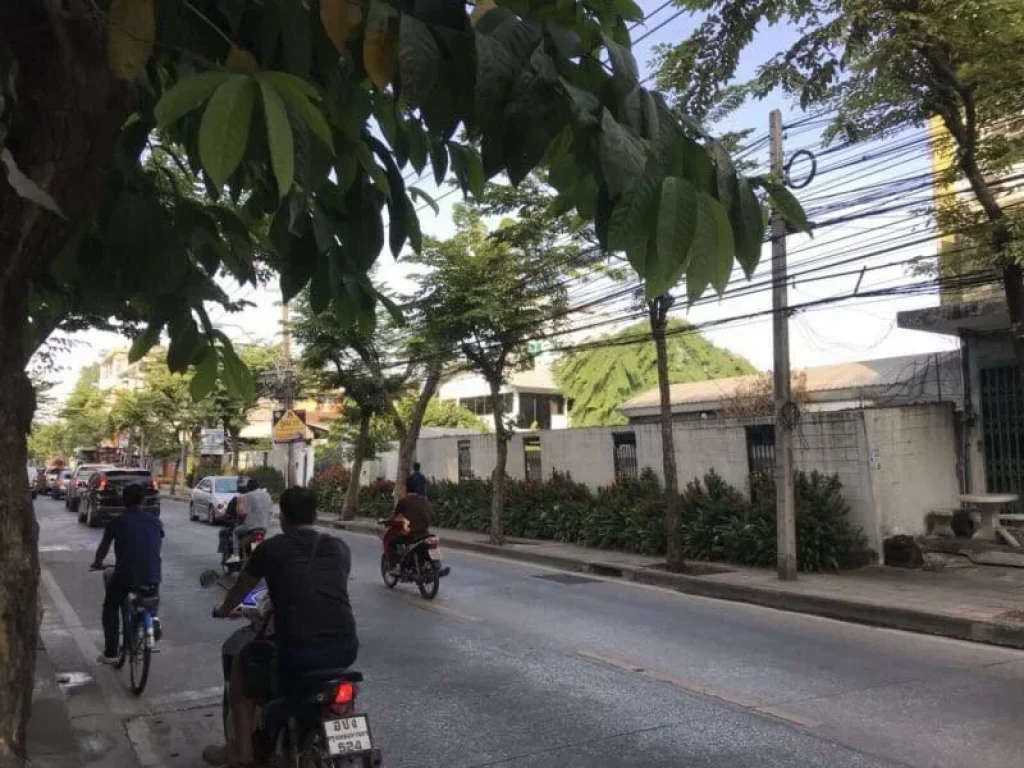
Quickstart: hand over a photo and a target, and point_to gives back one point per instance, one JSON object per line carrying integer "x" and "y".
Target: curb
{"x": 887, "y": 616}
{"x": 50, "y": 737}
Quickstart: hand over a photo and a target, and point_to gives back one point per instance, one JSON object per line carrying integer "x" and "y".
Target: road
{"x": 517, "y": 666}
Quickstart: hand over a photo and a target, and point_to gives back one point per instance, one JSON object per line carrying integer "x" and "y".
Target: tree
{"x": 599, "y": 378}
{"x": 85, "y": 411}
{"x": 470, "y": 280}
{"x": 447, "y": 414}
{"x": 881, "y": 66}
{"x": 304, "y": 114}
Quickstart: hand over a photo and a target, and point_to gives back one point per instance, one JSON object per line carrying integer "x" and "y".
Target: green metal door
{"x": 1002, "y": 418}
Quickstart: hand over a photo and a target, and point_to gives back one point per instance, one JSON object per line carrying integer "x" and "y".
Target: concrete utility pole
{"x": 289, "y": 403}
{"x": 785, "y": 503}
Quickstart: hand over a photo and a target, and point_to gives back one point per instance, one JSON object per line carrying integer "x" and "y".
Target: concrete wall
{"x": 896, "y": 464}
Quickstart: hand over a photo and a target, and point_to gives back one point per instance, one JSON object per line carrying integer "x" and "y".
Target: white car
{"x": 211, "y": 496}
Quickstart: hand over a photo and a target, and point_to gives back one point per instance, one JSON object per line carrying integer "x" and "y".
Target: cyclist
{"x": 137, "y": 537}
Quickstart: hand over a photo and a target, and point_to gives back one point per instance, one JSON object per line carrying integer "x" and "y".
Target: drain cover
{"x": 566, "y": 578}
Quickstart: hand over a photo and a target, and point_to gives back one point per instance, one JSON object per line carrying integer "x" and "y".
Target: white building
{"x": 531, "y": 398}
{"x": 117, "y": 374}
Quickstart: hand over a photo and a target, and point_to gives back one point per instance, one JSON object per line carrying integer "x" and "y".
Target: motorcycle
{"x": 419, "y": 563}
{"x": 318, "y": 724}
{"x": 226, "y": 548}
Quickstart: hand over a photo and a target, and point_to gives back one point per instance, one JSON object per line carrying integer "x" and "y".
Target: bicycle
{"x": 137, "y": 633}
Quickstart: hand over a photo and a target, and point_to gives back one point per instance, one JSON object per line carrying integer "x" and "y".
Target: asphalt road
{"x": 520, "y": 666}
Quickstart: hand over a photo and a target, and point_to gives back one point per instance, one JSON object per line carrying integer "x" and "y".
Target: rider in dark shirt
{"x": 306, "y": 573}
{"x": 137, "y": 538}
{"x": 416, "y": 482}
{"x": 410, "y": 522}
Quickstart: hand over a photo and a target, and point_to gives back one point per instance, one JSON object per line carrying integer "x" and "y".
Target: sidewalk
{"x": 969, "y": 602}
{"x": 51, "y": 738}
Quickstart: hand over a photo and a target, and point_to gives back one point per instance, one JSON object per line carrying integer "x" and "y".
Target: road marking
{"x": 699, "y": 689}
{"x": 140, "y": 736}
{"x": 175, "y": 700}
{"x": 116, "y": 697}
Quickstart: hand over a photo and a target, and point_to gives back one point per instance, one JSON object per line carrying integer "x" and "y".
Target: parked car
{"x": 79, "y": 482}
{"x": 101, "y": 500}
{"x": 211, "y": 496}
{"x": 60, "y": 486}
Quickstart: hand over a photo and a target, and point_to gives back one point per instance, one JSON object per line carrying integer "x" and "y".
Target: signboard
{"x": 211, "y": 442}
{"x": 289, "y": 426}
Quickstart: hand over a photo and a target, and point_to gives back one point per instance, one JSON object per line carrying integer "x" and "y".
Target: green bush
{"x": 330, "y": 484}
{"x": 377, "y": 500}
{"x": 268, "y": 477}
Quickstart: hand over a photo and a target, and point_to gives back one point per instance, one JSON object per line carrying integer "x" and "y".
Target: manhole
{"x": 566, "y": 578}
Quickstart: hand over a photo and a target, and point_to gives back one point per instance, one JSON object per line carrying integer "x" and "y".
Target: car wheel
{"x": 90, "y": 519}
{"x": 192, "y": 510}
{"x": 211, "y": 516}
{"x": 81, "y": 514}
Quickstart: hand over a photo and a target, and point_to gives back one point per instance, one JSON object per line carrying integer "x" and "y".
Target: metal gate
{"x": 625, "y": 456}
{"x": 534, "y": 470}
{"x": 761, "y": 449}
{"x": 1002, "y": 418}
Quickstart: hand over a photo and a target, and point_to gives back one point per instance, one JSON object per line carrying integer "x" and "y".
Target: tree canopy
{"x": 598, "y": 379}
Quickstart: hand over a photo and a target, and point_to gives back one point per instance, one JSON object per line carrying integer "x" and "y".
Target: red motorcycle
{"x": 419, "y": 560}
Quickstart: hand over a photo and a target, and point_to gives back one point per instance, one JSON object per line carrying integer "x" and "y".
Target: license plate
{"x": 348, "y": 735}
{"x": 435, "y": 554}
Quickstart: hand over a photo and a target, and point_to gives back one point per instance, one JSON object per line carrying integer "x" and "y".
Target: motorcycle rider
{"x": 411, "y": 521}
{"x": 253, "y": 510}
{"x": 307, "y": 575}
{"x": 137, "y": 537}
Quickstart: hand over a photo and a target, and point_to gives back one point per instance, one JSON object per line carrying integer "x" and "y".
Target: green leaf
{"x": 184, "y": 338}
{"x": 469, "y": 169}
{"x": 237, "y": 377}
{"x": 784, "y": 202}
{"x": 280, "y": 139}
{"x": 224, "y": 130}
{"x": 186, "y": 95}
{"x": 419, "y": 60}
{"x": 297, "y": 36}
{"x": 320, "y": 287}
{"x": 416, "y": 192}
{"x": 622, "y": 155}
{"x": 299, "y": 95}
{"x": 439, "y": 161}
{"x": 205, "y": 377}
{"x": 626, "y": 74}
{"x": 748, "y": 223}
{"x": 677, "y": 223}
{"x": 144, "y": 342}
{"x": 132, "y": 30}
{"x": 629, "y": 10}
{"x": 635, "y": 215}
{"x": 712, "y": 248}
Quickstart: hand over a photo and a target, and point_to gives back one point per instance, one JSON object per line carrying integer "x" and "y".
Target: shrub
{"x": 268, "y": 477}
{"x": 330, "y": 484}
{"x": 377, "y": 500}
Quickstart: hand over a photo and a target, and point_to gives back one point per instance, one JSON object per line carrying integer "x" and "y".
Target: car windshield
{"x": 225, "y": 485}
{"x": 127, "y": 478}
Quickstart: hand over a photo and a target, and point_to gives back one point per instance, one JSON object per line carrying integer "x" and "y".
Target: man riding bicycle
{"x": 137, "y": 537}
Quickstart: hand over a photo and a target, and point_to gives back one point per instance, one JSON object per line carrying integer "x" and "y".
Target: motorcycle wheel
{"x": 390, "y": 580}
{"x": 429, "y": 580}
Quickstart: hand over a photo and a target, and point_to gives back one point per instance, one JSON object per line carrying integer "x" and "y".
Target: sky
{"x": 859, "y": 329}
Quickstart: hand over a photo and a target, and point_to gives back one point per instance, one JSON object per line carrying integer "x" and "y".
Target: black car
{"x": 101, "y": 501}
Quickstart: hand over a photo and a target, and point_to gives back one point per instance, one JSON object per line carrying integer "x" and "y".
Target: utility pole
{"x": 785, "y": 502}
{"x": 289, "y": 403}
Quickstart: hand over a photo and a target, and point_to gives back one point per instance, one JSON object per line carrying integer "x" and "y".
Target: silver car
{"x": 80, "y": 482}
{"x": 211, "y": 496}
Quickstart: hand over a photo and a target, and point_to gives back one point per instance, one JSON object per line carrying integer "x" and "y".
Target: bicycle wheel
{"x": 122, "y": 651}
{"x": 139, "y": 656}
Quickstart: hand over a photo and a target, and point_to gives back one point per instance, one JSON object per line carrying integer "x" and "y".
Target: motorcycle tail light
{"x": 433, "y": 542}
{"x": 345, "y": 693}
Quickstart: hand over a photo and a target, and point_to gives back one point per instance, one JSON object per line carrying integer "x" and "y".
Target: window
{"x": 535, "y": 410}
{"x": 465, "y": 460}
{"x": 761, "y": 449}
{"x": 481, "y": 406}
{"x": 225, "y": 485}
{"x": 625, "y": 456}
{"x": 534, "y": 471}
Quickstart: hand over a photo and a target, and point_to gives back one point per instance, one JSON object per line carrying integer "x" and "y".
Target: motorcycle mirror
{"x": 208, "y": 578}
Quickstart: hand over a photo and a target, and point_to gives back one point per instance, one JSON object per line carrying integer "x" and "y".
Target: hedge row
{"x": 719, "y": 521}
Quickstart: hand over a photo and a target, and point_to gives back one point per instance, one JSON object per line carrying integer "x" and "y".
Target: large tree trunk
{"x": 68, "y": 114}
{"x": 411, "y": 433}
{"x": 658, "y": 313}
{"x": 348, "y": 510}
{"x": 501, "y": 462}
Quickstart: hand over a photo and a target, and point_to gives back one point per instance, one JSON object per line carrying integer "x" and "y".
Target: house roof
{"x": 896, "y": 379}
{"x": 538, "y": 379}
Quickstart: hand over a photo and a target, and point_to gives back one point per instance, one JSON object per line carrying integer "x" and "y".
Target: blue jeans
{"x": 292, "y": 663}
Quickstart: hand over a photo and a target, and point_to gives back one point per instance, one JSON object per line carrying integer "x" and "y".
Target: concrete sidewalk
{"x": 969, "y": 602}
{"x": 51, "y": 737}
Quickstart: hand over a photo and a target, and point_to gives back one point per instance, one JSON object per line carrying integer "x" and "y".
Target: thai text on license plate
{"x": 348, "y": 735}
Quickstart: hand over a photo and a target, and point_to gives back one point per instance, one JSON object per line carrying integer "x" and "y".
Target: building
{"x": 992, "y": 441}
{"x": 117, "y": 374}
{"x": 531, "y": 399}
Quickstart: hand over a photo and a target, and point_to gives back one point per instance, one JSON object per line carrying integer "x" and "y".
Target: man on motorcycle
{"x": 411, "y": 521}
{"x": 253, "y": 510}
{"x": 137, "y": 537}
{"x": 307, "y": 574}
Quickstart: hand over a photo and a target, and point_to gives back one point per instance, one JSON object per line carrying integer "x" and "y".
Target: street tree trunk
{"x": 410, "y": 432}
{"x": 348, "y": 509}
{"x": 501, "y": 462}
{"x": 69, "y": 112}
{"x": 657, "y": 311}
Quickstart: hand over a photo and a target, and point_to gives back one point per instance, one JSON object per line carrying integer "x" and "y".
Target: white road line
{"x": 175, "y": 700}
{"x": 114, "y": 694}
